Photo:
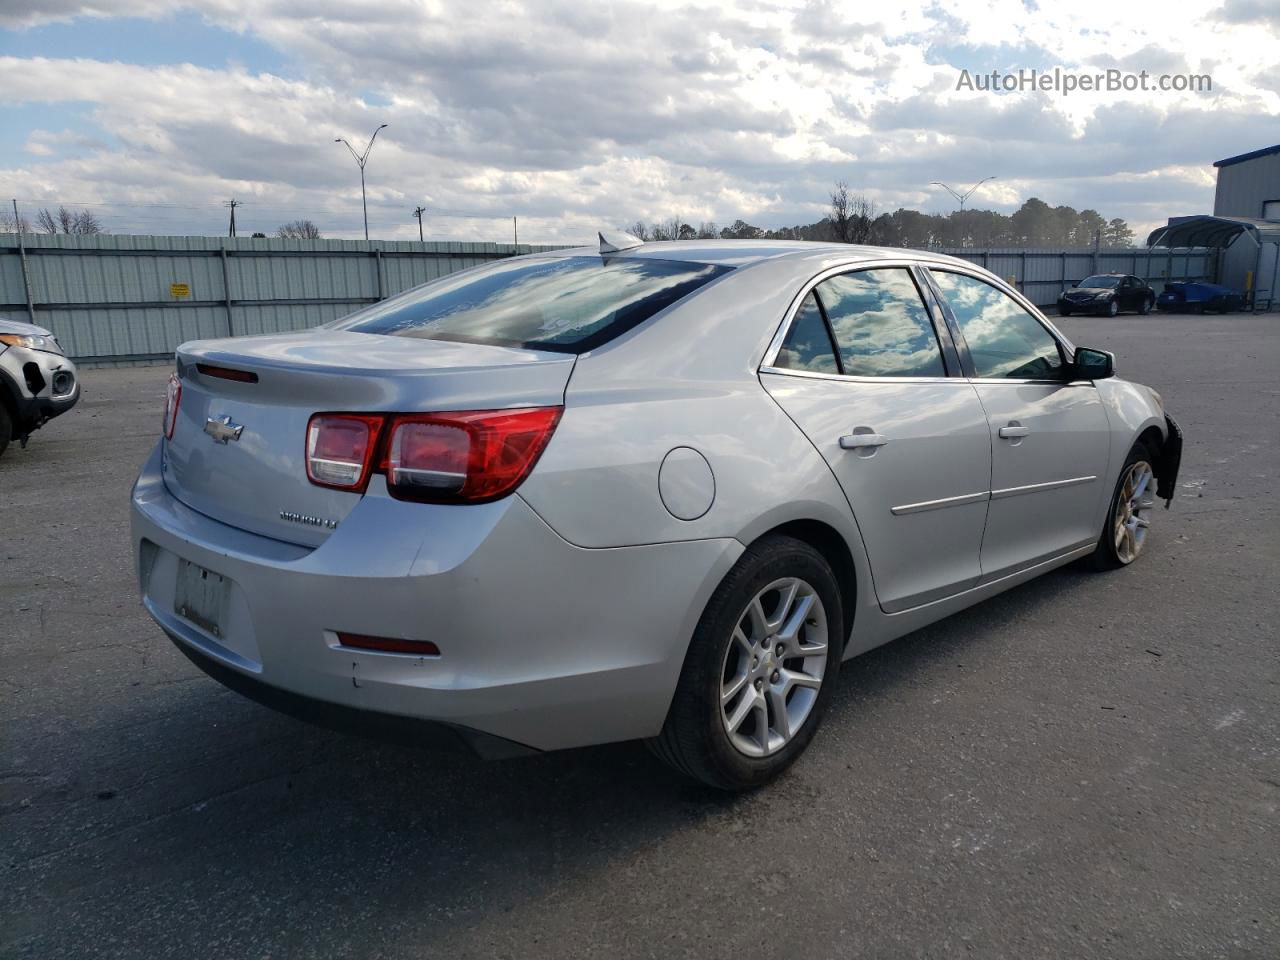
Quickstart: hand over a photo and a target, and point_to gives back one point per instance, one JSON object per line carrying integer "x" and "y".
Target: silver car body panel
{"x": 564, "y": 611}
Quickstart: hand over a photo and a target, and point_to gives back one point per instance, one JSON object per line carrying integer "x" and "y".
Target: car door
{"x": 1050, "y": 436}
{"x": 1129, "y": 293}
{"x": 861, "y": 370}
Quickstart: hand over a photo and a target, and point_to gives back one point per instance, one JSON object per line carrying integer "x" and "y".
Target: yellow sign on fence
{"x": 179, "y": 290}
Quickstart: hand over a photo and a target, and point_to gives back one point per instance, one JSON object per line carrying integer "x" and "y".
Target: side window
{"x": 880, "y": 324}
{"x": 1004, "y": 340}
{"x": 808, "y": 347}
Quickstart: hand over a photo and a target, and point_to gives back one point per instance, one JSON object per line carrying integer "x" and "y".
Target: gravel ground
{"x": 1088, "y": 765}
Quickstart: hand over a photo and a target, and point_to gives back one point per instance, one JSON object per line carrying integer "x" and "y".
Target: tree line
{"x": 853, "y": 218}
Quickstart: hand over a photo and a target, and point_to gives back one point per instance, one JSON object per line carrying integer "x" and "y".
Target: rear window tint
{"x": 568, "y": 304}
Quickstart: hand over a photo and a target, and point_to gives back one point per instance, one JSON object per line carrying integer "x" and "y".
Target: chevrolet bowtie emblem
{"x": 223, "y": 429}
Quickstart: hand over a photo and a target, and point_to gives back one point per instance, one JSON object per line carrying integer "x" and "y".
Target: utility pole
{"x": 418, "y": 212}
{"x": 362, "y": 159}
{"x": 231, "y": 232}
{"x": 515, "y": 232}
{"x": 22, "y": 251}
{"x": 962, "y": 197}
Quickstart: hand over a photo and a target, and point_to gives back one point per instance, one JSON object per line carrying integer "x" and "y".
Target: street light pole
{"x": 361, "y": 159}
{"x": 962, "y": 197}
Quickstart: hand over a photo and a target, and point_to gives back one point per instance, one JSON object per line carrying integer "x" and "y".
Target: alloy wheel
{"x": 773, "y": 667}
{"x": 1134, "y": 504}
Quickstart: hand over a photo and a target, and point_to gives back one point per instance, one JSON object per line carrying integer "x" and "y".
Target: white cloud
{"x": 574, "y": 116}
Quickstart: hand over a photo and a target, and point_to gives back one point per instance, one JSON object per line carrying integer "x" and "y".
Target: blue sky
{"x": 575, "y": 116}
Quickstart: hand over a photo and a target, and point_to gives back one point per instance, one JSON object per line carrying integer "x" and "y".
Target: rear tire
{"x": 6, "y": 428}
{"x": 734, "y": 671}
{"x": 1145, "y": 307}
{"x": 1124, "y": 533}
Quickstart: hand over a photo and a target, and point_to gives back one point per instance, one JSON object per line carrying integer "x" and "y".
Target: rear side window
{"x": 1004, "y": 339}
{"x": 880, "y": 325}
{"x": 567, "y": 304}
{"x": 808, "y": 345}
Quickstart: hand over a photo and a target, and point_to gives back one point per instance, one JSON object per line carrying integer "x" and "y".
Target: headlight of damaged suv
{"x": 32, "y": 341}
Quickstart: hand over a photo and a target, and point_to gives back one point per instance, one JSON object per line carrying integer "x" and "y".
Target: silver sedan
{"x": 655, "y": 491}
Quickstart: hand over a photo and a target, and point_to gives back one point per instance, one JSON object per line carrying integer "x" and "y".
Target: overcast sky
{"x": 575, "y": 115}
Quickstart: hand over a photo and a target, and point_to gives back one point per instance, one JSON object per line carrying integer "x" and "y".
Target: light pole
{"x": 962, "y": 197}
{"x": 361, "y": 159}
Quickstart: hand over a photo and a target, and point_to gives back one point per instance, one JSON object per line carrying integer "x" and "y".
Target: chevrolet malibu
{"x": 630, "y": 491}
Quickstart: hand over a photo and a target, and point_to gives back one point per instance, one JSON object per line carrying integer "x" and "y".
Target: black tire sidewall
{"x": 697, "y": 704}
{"x": 6, "y": 428}
{"x": 1105, "y": 556}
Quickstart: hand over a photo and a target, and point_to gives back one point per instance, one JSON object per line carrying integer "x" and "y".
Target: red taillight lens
{"x": 340, "y": 448}
{"x": 465, "y": 457}
{"x": 172, "y": 397}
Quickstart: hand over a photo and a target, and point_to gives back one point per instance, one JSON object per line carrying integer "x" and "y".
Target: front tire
{"x": 1129, "y": 517}
{"x": 1064, "y": 311}
{"x": 6, "y": 428}
{"x": 1113, "y": 308}
{"x": 759, "y": 671}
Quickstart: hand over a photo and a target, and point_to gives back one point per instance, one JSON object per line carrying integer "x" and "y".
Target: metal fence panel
{"x": 127, "y": 298}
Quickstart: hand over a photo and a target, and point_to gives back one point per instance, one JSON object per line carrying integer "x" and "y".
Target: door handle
{"x": 1013, "y": 430}
{"x": 858, "y": 441}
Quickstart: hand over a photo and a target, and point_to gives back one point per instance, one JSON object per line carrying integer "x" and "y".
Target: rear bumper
{"x": 542, "y": 643}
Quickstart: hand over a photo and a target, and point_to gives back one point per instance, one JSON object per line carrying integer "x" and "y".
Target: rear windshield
{"x": 569, "y": 304}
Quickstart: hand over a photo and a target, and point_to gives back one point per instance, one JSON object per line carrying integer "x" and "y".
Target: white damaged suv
{"x": 37, "y": 382}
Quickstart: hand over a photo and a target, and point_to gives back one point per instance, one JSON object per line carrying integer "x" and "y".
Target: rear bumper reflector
{"x": 358, "y": 641}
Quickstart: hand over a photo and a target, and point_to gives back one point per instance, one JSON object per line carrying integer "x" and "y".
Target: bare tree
{"x": 841, "y": 213}
{"x": 862, "y": 219}
{"x": 77, "y": 222}
{"x": 298, "y": 230}
{"x": 638, "y": 230}
{"x": 665, "y": 230}
{"x": 708, "y": 230}
{"x": 8, "y": 224}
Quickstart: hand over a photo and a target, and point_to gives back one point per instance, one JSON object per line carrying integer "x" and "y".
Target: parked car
{"x": 1193, "y": 296}
{"x": 1107, "y": 293}
{"x": 655, "y": 491}
{"x": 37, "y": 382}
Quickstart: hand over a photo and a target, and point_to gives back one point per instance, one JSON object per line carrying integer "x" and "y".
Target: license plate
{"x": 201, "y": 597}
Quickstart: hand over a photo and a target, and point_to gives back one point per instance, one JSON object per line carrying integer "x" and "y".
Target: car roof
{"x": 741, "y": 253}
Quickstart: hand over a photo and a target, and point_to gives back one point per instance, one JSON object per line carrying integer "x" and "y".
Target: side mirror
{"x": 1091, "y": 364}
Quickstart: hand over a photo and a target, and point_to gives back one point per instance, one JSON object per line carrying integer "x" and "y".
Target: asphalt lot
{"x": 1086, "y": 766}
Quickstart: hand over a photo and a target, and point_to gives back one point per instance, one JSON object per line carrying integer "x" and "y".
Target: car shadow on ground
{"x": 251, "y": 811}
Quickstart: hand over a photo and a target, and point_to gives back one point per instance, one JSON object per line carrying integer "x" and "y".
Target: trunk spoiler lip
{"x": 402, "y": 356}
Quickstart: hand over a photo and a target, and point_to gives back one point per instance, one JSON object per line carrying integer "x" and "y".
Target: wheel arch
{"x": 829, "y": 542}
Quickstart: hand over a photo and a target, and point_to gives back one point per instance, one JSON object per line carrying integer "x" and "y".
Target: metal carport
{"x": 1236, "y": 267}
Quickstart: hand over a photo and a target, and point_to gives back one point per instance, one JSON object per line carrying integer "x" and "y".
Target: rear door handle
{"x": 857, "y": 441}
{"x": 1013, "y": 430}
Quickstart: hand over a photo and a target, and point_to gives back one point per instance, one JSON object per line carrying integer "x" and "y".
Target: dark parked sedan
{"x": 1107, "y": 293}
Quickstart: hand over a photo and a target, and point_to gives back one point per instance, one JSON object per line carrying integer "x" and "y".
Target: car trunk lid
{"x": 255, "y": 477}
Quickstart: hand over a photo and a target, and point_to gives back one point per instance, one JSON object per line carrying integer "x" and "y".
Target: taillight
{"x": 470, "y": 456}
{"x": 465, "y": 457}
{"x": 172, "y": 397}
{"x": 340, "y": 448}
